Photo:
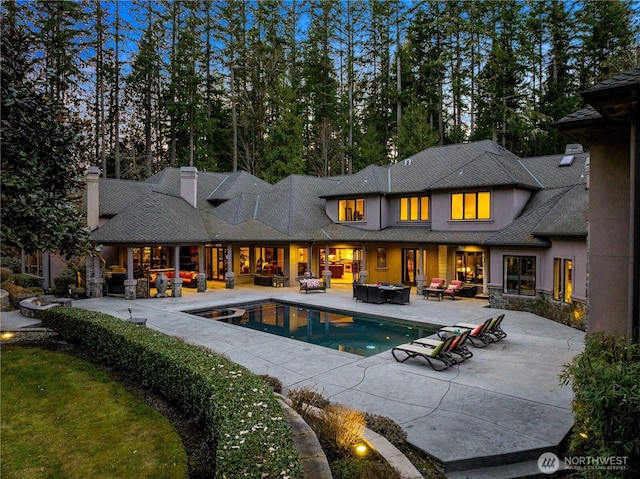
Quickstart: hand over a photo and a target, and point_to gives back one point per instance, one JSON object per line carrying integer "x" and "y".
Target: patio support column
{"x": 485, "y": 271}
{"x": 97, "y": 289}
{"x": 229, "y": 276}
{"x": 130, "y": 283}
{"x": 176, "y": 281}
{"x": 201, "y": 278}
{"x": 326, "y": 274}
{"x": 363, "y": 266}
{"x": 420, "y": 272}
{"x": 309, "y": 258}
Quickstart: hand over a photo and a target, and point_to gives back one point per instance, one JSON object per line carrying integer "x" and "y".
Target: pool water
{"x": 344, "y": 331}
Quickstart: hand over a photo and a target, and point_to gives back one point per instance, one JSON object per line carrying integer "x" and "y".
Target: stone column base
{"x": 326, "y": 276}
{"x": 130, "y": 288}
{"x": 176, "y": 287}
{"x": 201, "y": 281}
{"x": 97, "y": 288}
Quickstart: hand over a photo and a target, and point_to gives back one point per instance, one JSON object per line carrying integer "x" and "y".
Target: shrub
{"x": 350, "y": 467}
{"x": 275, "y": 383}
{"x": 606, "y": 403}
{"x": 386, "y": 427}
{"x": 68, "y": 280}
{"x": 14, "y": 264}
{"x": 303, "y": 399}
{"x": 18, "y": 293}
{"x": 27, "y": 281}
{"x": 237, "y": 410}
{"x": 5, "y": 274}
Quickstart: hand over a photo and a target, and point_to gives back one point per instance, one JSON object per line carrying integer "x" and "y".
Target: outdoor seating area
{"x": 451, "y": 348}
{"x": 382, "y": 293}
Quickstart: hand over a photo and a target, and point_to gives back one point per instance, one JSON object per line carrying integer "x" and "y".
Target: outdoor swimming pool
{"x": 344, "y": 331}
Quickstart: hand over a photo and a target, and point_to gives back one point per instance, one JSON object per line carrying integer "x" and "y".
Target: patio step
{"x": 528, "y": 469}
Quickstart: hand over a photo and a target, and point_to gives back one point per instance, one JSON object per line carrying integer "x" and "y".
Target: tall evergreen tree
{"x": 42, "y": 156}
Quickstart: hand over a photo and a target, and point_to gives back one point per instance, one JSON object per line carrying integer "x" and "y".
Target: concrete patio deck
{"x": 491, "y": 416}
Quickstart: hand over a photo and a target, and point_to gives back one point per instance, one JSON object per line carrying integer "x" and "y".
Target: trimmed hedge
{"x": 236, "y": 408}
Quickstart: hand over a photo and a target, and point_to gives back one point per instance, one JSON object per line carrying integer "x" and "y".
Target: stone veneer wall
{"x": 572, "y": 314}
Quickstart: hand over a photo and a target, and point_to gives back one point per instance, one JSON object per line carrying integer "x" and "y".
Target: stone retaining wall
{"x": 572, "y": 314}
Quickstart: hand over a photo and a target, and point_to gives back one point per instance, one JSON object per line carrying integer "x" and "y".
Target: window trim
{"x": 505, "y": 276}
{"x": 348, "y": 210}
{"x": 464, "y": 195}
{"x": 420, "y": 209}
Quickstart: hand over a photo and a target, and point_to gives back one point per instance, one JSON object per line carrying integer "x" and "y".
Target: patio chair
{"x": 376, "y": 295}
{"x": 457, "y": 347}
{"x": 477, "y": 332}
{"x": 454, "y": 287}
{"x": 360, "y": 292}
{"x": 401, "y": 296}
{"x": 438, "y": 357}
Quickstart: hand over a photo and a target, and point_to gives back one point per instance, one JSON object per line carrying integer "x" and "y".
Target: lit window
{"x": 414, "y": 208}
{"x": 351, "y": 210}
{"x": 562, "y": 279}
{"x": 471, "y": 206}
{"x": 520, "y": 275}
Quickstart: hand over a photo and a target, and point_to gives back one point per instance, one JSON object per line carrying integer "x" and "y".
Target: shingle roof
{"x": 115, "y": 195}
{"x": 623, "y": 80}
{"x": 154, "y": 218}
{"x": 464, "y": 165}
{"x": 373, "y": 179}
{"x": 549, "y": 174}
{"x": 291, "y": 205}
{"x": 553, "y": 212}
{"x": 566, "y": 218}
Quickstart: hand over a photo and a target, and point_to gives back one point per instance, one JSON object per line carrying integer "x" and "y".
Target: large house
{"x": 512, "y": 229}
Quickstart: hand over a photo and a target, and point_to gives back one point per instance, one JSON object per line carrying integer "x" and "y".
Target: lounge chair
{"x": 457, "y": 347}
{"x": 477, "y": 332}
{"x": 495, "y": 331}
{"x": 439, "y": 353}
{"x": 454, "y": 287}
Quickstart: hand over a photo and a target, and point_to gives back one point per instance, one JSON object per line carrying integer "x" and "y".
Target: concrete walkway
{"x": 483, "y": 418}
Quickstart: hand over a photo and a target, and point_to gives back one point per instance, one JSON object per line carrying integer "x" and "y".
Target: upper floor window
{"x": 351, "y": 210}
{"x": 414, "y": 208}
{"x": 471, "y": 206}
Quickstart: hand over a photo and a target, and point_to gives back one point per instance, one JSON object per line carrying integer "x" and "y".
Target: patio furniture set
{"x": 451, "y": 347}
{"x": 454, "y": 289}
{"x": 382, "y": 293}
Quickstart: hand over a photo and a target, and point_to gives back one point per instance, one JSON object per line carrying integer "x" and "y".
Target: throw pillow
{"x": 452, "y": 286}
{"x": 434, "y": 285}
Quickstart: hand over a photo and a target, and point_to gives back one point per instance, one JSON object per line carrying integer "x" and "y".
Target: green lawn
{"x": 64, "y": 418}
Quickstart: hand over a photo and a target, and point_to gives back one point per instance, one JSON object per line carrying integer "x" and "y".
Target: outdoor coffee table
{"x": 433, "y": 292}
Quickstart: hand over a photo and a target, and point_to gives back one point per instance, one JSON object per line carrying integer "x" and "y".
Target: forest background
{"x": 317, "y": 87}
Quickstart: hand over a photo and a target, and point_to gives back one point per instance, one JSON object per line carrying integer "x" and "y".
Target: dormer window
{"x": 414, "y": 208}
{"x": 351, "y": 210}
{"x": 471, "y": 206}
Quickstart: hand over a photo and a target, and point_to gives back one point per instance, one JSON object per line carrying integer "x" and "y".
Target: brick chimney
{"x": 93, "y": 197}
{"x": 189, "y": 184}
